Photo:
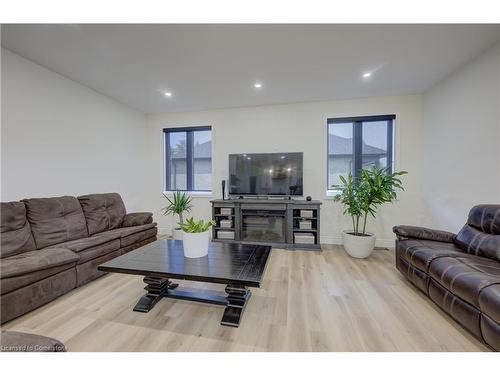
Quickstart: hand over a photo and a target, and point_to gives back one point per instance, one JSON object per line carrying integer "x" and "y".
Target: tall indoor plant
{"x": 361, "y": 197}
{"x": 196, "y": 236}
{"x": 181, "y": 202}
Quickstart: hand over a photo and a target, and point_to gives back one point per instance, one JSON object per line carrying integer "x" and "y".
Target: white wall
{"x": 61, "y": 138}
{"x": 461, "y": 139}
{"x": 298, "y": 127}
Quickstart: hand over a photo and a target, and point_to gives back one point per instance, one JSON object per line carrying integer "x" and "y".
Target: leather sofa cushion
{"x": 421, "y": 233}
{"x": 491, "y": 332}
{"x": 103, "y": 212}
{"x": 467, "y": 276}
{"x": 489, "y": 301}
{"x": 473, "y": 241}
{"x": 485, "y": 217}
{"x": 88, "y": 242}
{"x": 420, "y": 253}
{"x": 463, "y": 312}
{"x": 36, "y": 260}
{"x": 15, "y": 230}
{"x": 55, "y": 220}
{"x": 137, "y": 218}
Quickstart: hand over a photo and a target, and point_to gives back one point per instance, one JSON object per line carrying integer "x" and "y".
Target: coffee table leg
{"x": 156, "y": 287}
{"x": 237, "y": 299}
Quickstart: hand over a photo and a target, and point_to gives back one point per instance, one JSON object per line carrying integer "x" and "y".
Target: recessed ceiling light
{"x": 270, "y": 171}
{"x": 283, "y": 156}
{"x": 168, "y": 93}
{"x": 367, "y": 75}
{"x": 289, "y": 169}
{"x": 257, "y": 85}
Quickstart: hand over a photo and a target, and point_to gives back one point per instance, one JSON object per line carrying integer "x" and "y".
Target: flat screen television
{"x": 266, "y": 174}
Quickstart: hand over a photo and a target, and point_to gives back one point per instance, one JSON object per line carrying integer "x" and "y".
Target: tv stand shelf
{"x": 272, "y": 222}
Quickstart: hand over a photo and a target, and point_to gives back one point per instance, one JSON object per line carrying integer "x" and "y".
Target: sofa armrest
{"x": 137, "y": 218}
{"x": 404, "y": 232}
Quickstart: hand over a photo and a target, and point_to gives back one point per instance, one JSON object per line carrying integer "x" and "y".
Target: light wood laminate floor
{"x": 309, "y": 301}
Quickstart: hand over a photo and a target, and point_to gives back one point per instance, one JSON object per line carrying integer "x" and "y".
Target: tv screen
{"x": 265, "y": 174}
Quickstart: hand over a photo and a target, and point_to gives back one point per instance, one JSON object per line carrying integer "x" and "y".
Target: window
{"x": 356, "y": 143}
{"x": 188, "y": 159}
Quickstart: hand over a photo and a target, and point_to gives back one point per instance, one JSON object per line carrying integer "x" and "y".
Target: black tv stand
{"x": 282, "y": 223}
{"x": 261, "y": 197}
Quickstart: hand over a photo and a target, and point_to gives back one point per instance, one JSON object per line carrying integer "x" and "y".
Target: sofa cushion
{"x": 33, "y": 261}
{"x": 422, "y": 233}
{"x": 467, "y": 276}
{"x": 485, "y": 217}
{"x": 138, "y": 237}
{"x": 13, "y": 341}
{"x": 137, "y": 218}
{"x": 55, "y": 220}
{"x": 10, "y": 284}
{"x": 129, "y": 235}
{"x": 124, "y": 232}
{"x": 15, "y": 230}
{"x": 489, "y": 301}
{"x": 481, "y": 235}
{"x": 473, "y": 241}
{"x": 420, "y": 253}
{"x": 98, "y": 251}
{"x": 103, "y": 212}
{"x": 30, "y": 297}
{"x": 88, "y": 242}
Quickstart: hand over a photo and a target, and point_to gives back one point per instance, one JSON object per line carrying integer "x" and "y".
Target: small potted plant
{"x": 180, "y": 203}
{"x": 360, "y": 197}
{"x": 196, "y": 236}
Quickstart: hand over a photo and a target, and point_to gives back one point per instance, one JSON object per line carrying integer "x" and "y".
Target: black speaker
{"x": 308, "y": 198}
{"x": 223, "y": 189}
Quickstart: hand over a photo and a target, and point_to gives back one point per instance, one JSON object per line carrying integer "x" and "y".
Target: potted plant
{"x": 196, "y": 237}
{"x": 180, "y": 203}
{"x": 361, "y": 197}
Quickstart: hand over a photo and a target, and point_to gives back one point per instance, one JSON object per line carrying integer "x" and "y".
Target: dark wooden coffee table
{"x": 237, "y": 265}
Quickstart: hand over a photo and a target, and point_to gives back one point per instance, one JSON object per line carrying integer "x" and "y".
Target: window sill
{"x": 201, "y": 194}
{"x": 330, "y": 194}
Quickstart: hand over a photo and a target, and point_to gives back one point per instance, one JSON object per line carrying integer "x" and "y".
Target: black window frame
{"x": 189, "y": 156}
{"x": 357, "y": 139}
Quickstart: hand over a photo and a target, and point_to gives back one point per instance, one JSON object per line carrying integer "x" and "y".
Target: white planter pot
{"x": 196, "y": 244}
{"x": 177, "y": 234}
{"x": 358, "y": 246}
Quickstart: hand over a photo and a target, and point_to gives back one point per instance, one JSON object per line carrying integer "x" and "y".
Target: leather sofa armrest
{"x": 137, "y": 218}
{"x": 404, "y": 232}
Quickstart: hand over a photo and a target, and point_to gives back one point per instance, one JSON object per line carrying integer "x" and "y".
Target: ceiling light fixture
{"x": 367, "y": 75}
{"x": 257, "y": 85}
{"x": 168, "y": 93}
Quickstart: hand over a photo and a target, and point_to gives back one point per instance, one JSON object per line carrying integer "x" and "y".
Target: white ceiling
{"x": 215, "y": 66}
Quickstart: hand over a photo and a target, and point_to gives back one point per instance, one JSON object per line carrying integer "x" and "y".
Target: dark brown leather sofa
{"x": 50, "y": 246}
{"x": 460, "y": 273}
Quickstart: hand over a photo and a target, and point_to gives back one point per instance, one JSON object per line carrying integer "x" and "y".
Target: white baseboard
{"x": 336, "y": 240}
{"x": 164, "y": 231}
{"x": 330, "y": 240}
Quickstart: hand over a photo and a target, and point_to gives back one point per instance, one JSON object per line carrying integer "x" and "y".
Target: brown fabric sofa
{"x": 52, "y": 245}
{"x": 460, "y": 273}
{"x": 12, "y": 341}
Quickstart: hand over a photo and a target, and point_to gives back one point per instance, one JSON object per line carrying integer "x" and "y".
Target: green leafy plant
{"x": 374, "y": 187}
{"x": 180, "y": 203}
{"x": 192, "y": 226}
